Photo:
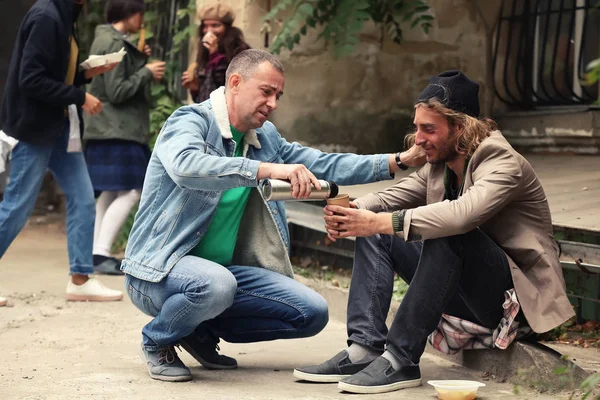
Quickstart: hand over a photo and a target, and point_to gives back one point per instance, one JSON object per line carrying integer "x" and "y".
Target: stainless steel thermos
{"x": 275, "y": 189}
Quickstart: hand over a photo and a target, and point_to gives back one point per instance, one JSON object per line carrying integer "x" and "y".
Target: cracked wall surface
{"x": 364, "y": 102}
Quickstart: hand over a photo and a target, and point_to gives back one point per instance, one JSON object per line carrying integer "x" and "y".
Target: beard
{"x": 446, "y": 152}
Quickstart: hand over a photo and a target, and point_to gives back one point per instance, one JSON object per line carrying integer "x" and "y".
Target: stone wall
{"x": 363, "y": 103}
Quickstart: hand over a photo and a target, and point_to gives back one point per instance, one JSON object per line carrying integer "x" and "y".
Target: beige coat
{"x": 504, "y": 198}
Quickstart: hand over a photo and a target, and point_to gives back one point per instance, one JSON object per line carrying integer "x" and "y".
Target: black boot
{"x": 203, "y": 347}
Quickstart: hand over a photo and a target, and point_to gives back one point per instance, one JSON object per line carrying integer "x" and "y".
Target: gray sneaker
{"x": 332, "y": 370}
{"x": 381, "y": 377}
{"x": 164, "y": 364}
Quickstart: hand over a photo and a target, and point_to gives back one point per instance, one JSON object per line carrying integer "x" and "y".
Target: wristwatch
{"x": 399, "y": 163}
{"x": 398, "y": 221}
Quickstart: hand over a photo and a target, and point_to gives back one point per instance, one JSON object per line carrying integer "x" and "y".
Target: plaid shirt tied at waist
{"x": 454, "y": 334}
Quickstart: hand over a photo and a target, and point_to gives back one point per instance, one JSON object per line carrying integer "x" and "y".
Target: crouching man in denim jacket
{"x": 208, "y": 256}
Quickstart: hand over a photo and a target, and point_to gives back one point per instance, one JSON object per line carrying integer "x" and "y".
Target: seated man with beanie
{"x": 471, "y": 234}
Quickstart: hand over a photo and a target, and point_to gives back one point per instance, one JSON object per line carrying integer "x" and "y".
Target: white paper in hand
{"x": 94, "y": 61}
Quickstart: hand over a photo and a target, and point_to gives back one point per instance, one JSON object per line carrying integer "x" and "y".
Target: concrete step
{"x": 572, "y": 130}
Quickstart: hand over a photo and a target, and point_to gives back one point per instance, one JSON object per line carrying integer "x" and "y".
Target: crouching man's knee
{"x": 316, "y": 316}
{"x": 214, "y": 294}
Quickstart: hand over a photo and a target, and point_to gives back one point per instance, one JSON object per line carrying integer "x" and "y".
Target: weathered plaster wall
{"x": 364, "y": 102}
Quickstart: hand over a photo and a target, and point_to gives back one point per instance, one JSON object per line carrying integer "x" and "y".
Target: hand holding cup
{"x": 211, "y": 42}
{"x": 345, "y": 220}
{"x": 341, "y": 200}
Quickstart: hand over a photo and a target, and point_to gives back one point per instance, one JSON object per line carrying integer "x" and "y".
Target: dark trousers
{"x": 464, "y": 276}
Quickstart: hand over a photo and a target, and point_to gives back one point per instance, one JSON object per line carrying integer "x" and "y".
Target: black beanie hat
{"x": 454, "y": 90}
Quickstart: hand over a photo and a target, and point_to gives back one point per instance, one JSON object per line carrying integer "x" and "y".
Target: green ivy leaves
{"x": 343, "y": 20}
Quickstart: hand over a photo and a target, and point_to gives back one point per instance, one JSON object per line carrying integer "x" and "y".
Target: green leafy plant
{"x": 587, "y": 387}
{"x": 593, "y": 72}
{"x": 341, "y": 21}
{"x": 400, "y": 288}
{"x": 169, "y": 25}
{"x": 592, "y": 75}
{"x": 563, "y": 379}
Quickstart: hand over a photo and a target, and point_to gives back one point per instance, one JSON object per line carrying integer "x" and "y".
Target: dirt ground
{"x": 52, "y": 349}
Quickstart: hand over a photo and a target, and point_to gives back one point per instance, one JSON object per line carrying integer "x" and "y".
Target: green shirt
{"x": 218, "y": 243}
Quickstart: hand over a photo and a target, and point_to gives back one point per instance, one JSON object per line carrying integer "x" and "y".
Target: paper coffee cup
{"x": 342, "y": 200}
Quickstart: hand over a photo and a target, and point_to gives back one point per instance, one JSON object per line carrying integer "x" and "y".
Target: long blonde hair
{"x": 473, "y": 131}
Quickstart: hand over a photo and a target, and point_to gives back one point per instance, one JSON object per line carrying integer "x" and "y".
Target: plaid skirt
{"x": 116, "y": 165}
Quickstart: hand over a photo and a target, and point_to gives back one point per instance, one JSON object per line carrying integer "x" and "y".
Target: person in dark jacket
{"x": 39, "y": 109}
{"x": 219, "y": 42}
{"x": 117, "y": 151}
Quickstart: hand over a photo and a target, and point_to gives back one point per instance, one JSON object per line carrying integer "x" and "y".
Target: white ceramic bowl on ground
{"x": 456, "y": 389}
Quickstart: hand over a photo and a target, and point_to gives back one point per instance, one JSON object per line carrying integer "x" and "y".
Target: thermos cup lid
{"x": 334, "y": 190}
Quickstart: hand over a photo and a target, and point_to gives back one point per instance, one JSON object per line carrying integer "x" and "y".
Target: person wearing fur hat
{"x": 471, "y": 234}
{"x": 219, "y": 42}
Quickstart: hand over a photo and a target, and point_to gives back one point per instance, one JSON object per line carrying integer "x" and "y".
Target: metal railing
{"x": 541, "y": 50}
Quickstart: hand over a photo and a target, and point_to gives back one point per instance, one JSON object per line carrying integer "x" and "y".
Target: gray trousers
{"x": 464, "y": 276}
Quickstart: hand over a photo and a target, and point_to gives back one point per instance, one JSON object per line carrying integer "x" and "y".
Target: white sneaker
{"x": 92, "y": 290}
{"x": 2, "y": 301}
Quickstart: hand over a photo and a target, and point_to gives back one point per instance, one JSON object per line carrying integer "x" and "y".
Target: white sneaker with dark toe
{"x": 2, "y": 301}
{"x": 92, "y": 290}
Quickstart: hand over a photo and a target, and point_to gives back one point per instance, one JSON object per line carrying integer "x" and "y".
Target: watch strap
{"x": 398, "y": 221}
{"x": 399, "y": 163}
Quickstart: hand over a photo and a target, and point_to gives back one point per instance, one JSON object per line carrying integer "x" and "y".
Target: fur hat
{"x": 218, "y": 12}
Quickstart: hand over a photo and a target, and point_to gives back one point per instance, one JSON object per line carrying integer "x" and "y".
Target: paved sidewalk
{"x": 58, "y": 350}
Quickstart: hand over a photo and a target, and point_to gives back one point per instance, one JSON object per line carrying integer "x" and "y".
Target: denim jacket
{"x": 192, "y": 165}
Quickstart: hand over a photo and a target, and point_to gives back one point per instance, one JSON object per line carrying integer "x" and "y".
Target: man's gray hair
{"x": 246, "y": 62}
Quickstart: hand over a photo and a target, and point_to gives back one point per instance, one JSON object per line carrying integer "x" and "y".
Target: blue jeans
{"x": 464, "y": 276}
{"x": 27, "y": 168}
{"x": 239, "y": 304}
